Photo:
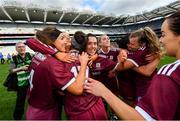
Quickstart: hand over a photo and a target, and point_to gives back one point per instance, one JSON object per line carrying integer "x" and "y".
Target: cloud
{"x": 49, "y": 3}
{"x": 88, "y": 9}
{"x": 131, "y": 6}
{"x": 61, "y": 4}
{"x": 115, "y": 7}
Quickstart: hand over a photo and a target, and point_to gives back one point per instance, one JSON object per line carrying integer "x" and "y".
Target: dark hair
{"x": 122, "y": 42}
{"x": 148, "y": 36}
{"x": 174, "y": 22}
{"x": 87, "y": 39}
{"x": 48, "y": 35}
{"x": 78, "y": 40}
{"x": 79, "y": 36}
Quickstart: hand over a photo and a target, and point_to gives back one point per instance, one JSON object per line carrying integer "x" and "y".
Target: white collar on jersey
{"x": 105, "y": 52}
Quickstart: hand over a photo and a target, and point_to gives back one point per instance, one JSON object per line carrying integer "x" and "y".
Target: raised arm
{"x": 123, "y": 63}
{"x": 77, "y": 86}
{"x": 148, "y": 69}
{"x": 122, "y": 110}
{"x": 35, "y": 45}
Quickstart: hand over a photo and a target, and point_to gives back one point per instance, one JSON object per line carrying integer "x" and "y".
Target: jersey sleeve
{"x": 62, "y": 77}
{"x": 175, "y": 74}
{"x": 161, "y": 100}
{"x": 35, "y": 45}
{"x": 138, "y": 57}
{"x": 109, "y": 64}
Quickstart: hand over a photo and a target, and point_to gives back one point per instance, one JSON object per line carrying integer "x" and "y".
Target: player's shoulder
{"x": 169, "y": 69}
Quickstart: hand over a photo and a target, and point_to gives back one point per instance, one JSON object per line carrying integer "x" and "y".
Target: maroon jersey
{"x": 76, "y": 105}
{"x": 126, "y": 84}
{"x": 47, "y": 75}
{"x": 100, "y": 70}
{"x": 39, "y": 47}
{"x": 112, "y": 54}
{"x": 138, "y": 59}
{"x": 162, "y": 100}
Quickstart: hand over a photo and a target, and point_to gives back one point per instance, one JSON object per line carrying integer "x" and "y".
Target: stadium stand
{"x": 18, "y": 21}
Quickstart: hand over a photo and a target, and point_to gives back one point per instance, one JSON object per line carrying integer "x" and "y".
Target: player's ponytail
{"x": 147, "y": 36}
{"x": 152, "y": 40}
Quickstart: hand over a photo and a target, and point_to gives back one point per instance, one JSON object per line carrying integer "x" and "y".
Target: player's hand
{"x": 66, "y": 57}
{"x": 122, "y": 56}
{"x": 91, "y": 59}
{"x": 94, "y": 87}
{"x": 84, "y": 58}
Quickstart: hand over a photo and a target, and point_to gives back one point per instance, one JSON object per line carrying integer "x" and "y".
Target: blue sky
{"x": 91, "y": 3}
{"x": 115, "y": 7}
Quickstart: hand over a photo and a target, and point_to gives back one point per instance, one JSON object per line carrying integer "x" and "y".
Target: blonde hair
{"x": 148, "y": 36}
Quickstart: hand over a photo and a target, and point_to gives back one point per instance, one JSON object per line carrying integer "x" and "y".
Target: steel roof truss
{"x": 99, "y": 20}
{"x": 6, "y": 13}
{"x": 45, "y": 16}
{"x": 61, "y": 17}
{"x": 27, "y": 15}
{"x": 88, "y": 19}
{"x": 75, "y": 18}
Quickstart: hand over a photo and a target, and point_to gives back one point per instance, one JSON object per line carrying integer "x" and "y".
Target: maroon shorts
{"x": 96, "y": 112}
{"x": 33, "y": 113}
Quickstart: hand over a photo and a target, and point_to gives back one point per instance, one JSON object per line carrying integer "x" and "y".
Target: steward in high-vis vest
{"x": 20, "y": 67}
{"x": 23, "y": 76}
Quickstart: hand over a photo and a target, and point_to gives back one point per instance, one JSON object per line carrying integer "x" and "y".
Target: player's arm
{"x": 148, "y": 69}
{"x": 123, "y": 62}
{"x": 122, "y": 110}
{"x": 92, "y": 58}
{"x": 35, "y": 45}
{"x": 76, "y": 87}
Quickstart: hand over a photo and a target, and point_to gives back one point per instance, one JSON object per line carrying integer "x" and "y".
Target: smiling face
{"x": 62, "y": 42}
{"x": 170, "y": 41}
{"x": 133, "y": 44}
{"x": 104, "y": 41}
{"x": 20, "y": 48}
{"x": 91, "y": 47}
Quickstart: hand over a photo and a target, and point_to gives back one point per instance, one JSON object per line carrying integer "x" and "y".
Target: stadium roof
{"x": 13, "y": 13}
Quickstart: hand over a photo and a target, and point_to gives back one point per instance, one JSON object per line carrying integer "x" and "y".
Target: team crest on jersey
{"x": 111, "y": 57}
{"x": 98, "y": 65}
{"x": 40, "y": 56}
